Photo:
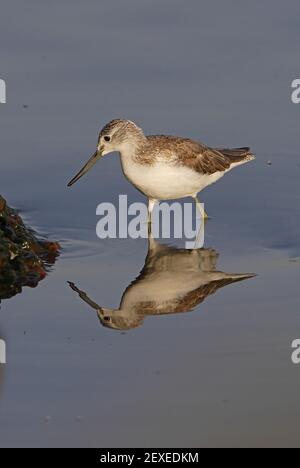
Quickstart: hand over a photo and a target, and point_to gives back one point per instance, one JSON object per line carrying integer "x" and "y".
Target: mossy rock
{"x": 24, "y": 258}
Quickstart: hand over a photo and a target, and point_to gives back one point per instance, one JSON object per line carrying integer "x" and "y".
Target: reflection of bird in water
{"x": 172, "y": 281}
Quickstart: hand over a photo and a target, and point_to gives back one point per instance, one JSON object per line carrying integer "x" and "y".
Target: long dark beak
{"x": 85, "y": 297}
{"x": 91, "y": 162}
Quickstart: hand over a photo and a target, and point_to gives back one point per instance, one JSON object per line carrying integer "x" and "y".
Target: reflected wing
{"x": 134, "y": 299}
{"x": 194, "y": 298}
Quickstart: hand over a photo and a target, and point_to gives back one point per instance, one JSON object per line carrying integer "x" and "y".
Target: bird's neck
{"x": 130, "y": 150}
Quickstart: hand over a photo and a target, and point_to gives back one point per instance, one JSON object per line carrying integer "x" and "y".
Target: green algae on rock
{"x": 24, "y": 259}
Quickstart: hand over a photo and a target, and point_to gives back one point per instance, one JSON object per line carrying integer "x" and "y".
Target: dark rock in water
{"x": 24, "y": 259}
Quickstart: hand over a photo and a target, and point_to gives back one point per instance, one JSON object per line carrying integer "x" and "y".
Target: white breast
{"x": 166, "y": 181}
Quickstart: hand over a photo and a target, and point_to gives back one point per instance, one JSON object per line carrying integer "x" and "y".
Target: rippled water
{"x": 217, "y": 375}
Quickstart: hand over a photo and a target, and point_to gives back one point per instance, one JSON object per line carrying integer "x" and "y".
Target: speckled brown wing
{"x": 208, "y": 161}
{"x": 189, "y": 301}
{"x": 191, "y": 153}
{"x": 196, "y": 297}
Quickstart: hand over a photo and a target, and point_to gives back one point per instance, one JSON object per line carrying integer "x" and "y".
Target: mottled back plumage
{"x": 193, "y": 154}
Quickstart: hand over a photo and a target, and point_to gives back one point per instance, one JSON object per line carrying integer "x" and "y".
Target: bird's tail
{"x": 238, "y": 155}
{"x": 236, "y": 277}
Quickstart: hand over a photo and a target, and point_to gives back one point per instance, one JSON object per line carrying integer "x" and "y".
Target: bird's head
{"x": 118, "y": 135}
{"x": 119, "y": 319}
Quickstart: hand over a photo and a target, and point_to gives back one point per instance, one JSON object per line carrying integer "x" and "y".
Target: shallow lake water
{"x": 221, "y": 374}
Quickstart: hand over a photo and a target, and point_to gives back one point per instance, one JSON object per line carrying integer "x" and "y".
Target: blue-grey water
{"x": 216, "y": 71}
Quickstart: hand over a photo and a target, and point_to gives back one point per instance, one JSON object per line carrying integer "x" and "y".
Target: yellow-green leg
{"x": 202, "y": 211}
{"x": 151, "y": 204}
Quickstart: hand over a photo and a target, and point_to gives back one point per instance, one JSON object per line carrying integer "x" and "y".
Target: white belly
{"x": 165, "y": 182}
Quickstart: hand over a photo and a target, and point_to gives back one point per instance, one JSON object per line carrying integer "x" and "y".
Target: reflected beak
{"x": 91, "y": 162}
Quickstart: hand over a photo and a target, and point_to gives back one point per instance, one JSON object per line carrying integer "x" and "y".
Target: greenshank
{"x": 172, "y": 281}
{"x": 164, "y": 167}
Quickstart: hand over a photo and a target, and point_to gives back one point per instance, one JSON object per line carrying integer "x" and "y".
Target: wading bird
{"x": 164, "y": 167}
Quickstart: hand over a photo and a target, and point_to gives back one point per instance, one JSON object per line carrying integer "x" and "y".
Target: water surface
{"x": 220, "y": 375}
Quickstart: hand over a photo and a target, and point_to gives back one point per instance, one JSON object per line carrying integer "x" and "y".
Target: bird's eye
{"x": 107, "y": 138}
{"x": 107, "y": 319}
